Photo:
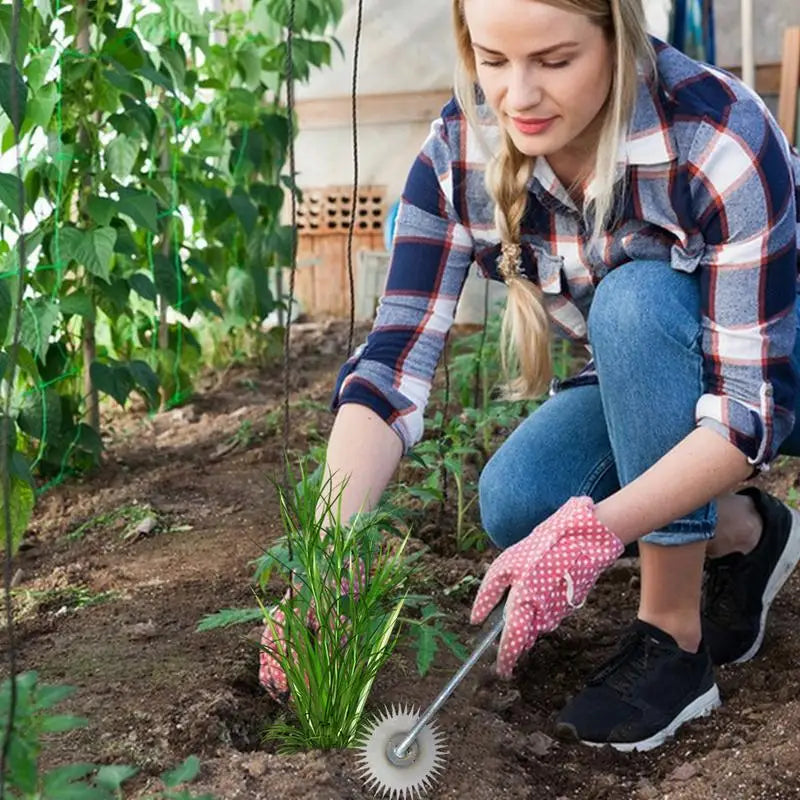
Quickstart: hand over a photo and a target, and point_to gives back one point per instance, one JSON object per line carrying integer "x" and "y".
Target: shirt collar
{"x": 648, "y": 141}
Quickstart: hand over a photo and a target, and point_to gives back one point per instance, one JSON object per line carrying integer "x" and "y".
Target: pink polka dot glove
{"x": 549, "y": 573}
{"x": 273, "y": 644}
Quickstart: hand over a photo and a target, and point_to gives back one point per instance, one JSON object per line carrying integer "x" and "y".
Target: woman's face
{"x": 546, "y": 72}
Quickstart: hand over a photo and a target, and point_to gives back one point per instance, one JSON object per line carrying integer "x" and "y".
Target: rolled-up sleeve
{"x": 392, "y": 372}
{"x": 743, "y": 196}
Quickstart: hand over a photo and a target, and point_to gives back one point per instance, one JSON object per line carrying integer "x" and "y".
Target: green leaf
{"x": 157, "y": 78}
{"x": 101, "y": 209}
{"x": 184, "y": 772}
{"x": 112, "y": 776}
{"x": 175, "y": 61}
{"x": 126, "y": 83}
{"x": 10, "y": 186}
{"x": 22, "y": 759}
{"x": 141, "y": 207}
{"x": 229, "y": 616}
{"x": 146, "y": 379}
{"x": 121, "y": 155}
{"x": 41, "y": 107}
{"x": 79, "y": 303}
{"x": 21, "y": 507}
{"x": 451, "y": 641}
{"x": 38, "y": 67}
{"x": 40, "y": 416}
{"x": 166, "y": 279}
{"x": 23, "y": 33}
{"x": 60, "y": 777}
{"x": 241, "y": 292}
{"x": 50, "y": 696}
{"x": 98, "y": 260}
{"x": 125, "y": 48}
{"x": 143, "y": 286}
{"x": 153, "y": 27}
{"x": 114, "y": 296}
{"x": 113, "y": 379}
{"x": 244, "y": 209}
{"x": 269, "y": 196}
{"x": 14, "y": 105}
{"x": 106, "y": 95}
{"x": 189, "y": 19}
{"x": 20, "y": 468}
{"x": 92, "y": 249}
{"x": 5, "y": 310}
{"x": 39, "y": 317}
{"x": 89, "y": 440}
{"x": 59, "y": 723}
{"x": 426, "y": 648}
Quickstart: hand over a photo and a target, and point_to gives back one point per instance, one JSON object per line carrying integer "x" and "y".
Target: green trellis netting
{"x": 143, "y": 152}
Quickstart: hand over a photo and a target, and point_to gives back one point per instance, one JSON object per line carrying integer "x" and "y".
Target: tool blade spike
{"x": 400, "y": 779}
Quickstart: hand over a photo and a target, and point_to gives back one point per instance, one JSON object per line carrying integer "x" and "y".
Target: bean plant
{"x": 143, "y": 153}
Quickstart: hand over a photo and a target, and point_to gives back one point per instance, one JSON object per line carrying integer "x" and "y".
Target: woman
{"x": 644, "y": 204}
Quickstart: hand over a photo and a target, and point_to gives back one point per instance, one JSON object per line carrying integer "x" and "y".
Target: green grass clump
{"x": 341, "y": 618}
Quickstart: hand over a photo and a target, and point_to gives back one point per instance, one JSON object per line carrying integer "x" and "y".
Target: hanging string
{"x": 287, "y": 334}
{"x": 354, "y": 202}
{"x": 5, "y": 428}
{"x": 444, "y": 475}
{"x": 477, "y": 395}
{"x": 292, "y": 270}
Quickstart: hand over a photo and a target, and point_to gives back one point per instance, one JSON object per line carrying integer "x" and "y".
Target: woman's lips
{"x": 532, "y": 126}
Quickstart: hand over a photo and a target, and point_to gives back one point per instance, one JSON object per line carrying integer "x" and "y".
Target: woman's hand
{"x": 549, "y": 573}
{"x": 274, "y": 651}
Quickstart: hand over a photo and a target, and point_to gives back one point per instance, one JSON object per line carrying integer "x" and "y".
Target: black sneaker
{"x": 642, "y": 694}
{"x": 739, "y": 589}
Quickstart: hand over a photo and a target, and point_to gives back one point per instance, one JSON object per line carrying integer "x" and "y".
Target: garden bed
{"x": 119, "y": 567}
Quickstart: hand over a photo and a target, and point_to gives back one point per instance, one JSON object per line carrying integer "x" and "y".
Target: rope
{"x": 477, "y": 394}
{"x": 293, "y": 260}
{"x": 445, "y": 414}
{"x": 354, "y": 203}
{"x": 5, "y": 428}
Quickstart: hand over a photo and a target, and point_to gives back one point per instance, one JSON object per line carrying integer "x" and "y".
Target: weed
{"x": 244, "y": 435}
{"x": 131, "y": 515}
{"x": 69, "y": 598}
{"x": 352, "y": 581}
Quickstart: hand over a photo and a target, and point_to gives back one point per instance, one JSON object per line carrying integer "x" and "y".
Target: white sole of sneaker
{"x": 700, "y": 707}
{"x": 783, "y": 569}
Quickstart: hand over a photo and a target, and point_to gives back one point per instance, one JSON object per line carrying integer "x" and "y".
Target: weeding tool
{"x": 402, "y": 752}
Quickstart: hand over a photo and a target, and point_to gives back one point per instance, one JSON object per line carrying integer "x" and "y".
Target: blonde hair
{"x": 525, "y": 343}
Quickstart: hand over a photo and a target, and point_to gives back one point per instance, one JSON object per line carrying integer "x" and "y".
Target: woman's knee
{"x": 642, "y": 300}
{"x": 507, "y": 515}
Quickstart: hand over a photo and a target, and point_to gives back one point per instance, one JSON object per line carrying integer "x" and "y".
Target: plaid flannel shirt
{"x": 712, "y": 187}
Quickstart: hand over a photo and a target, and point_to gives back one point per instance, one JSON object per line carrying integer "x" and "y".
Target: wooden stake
{"x": 790, "y": 84}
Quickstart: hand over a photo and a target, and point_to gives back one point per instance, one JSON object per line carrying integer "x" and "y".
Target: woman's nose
{"x": 524, "y": 90}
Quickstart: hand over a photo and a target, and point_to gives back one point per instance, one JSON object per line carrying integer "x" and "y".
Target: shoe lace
{"x": 632, "y": 661}
{"x": 724, "y": 593}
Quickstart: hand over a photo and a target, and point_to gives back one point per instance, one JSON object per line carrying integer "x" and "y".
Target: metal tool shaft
{"x": 401, "y": 749}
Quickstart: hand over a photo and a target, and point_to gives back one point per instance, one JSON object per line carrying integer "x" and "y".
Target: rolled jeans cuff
{"x": 699, "y": 527}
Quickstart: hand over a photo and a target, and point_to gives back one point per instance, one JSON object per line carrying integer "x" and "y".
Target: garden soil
{"x": 113, "y": 613}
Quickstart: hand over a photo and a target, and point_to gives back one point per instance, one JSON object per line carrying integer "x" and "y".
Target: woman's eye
{"x": 555, "y": 64}
{"x": 492, "y": 63}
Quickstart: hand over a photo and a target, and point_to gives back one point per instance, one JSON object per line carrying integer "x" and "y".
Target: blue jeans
{"x": 644, "y": 326}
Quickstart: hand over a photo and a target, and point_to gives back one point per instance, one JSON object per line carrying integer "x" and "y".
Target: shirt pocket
{"x": 550, "y": 270}
{"x": 688, "y": 258}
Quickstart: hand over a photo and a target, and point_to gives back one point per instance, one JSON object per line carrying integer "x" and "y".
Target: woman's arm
{"x": 363, "y": 454}
{"x": 697, "y": 469}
